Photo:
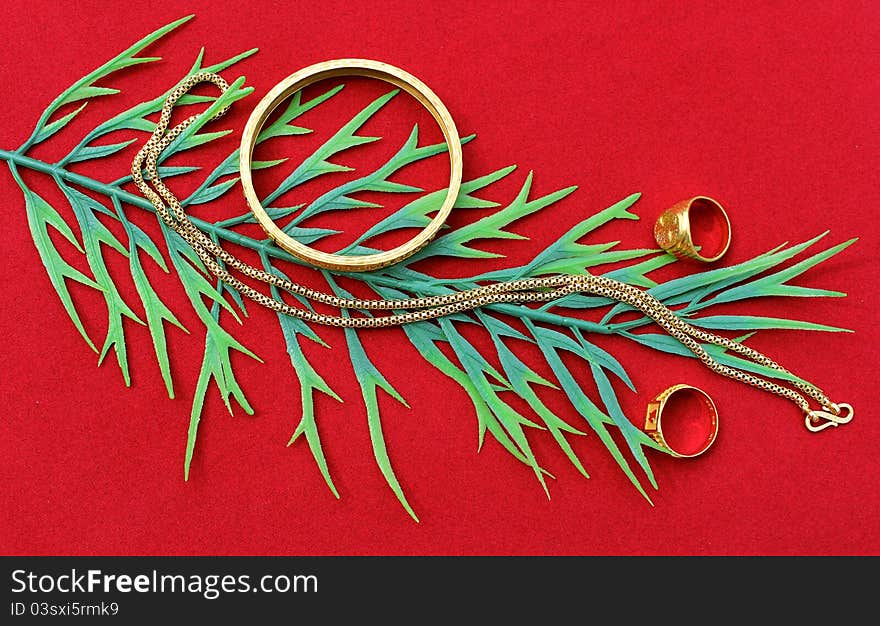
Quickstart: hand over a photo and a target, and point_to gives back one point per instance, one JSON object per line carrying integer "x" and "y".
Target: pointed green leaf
{"x": 41, "y": 215}
{"x": 94, "y": 233}
{"x": 489, "y": 227}
{"x": 317, "y": 164}
{"x": 508, "y": 418}
{"x": 752, "y": 322}
{"x": 596, "y": 419}
{"x": 634, "y": 437}
{"x": 341, "y": 197}
{"x": 281, "y": 126}
{"x": 416, "y": 213}
{"x": 210, "y": 194}
{"x": 520, "y": 377}
{"x": 310, "y": 381}
{"x": 98, "y": 152}
{"x": 774, "y": 283}
{"x": 88, "y": 91}
{"x": 53, "y": 127}
{"x": 370, "y": 379}
{"x": 80, "y": 89}
{"x": 216, "y": 366}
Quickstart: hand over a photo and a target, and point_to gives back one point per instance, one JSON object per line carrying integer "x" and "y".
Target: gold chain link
{"x": 527, "y": 290}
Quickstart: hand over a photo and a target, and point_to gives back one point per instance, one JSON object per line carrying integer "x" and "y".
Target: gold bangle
{"x": 333, "y": 69}
{"x": 673, "y": 229}
{"x": 653, "y": 420}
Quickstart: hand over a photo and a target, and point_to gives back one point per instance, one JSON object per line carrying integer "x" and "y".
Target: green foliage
{"x": 494, "y": 392}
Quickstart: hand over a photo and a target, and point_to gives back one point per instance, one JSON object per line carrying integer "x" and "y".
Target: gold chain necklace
{"x": 543, "y": 289}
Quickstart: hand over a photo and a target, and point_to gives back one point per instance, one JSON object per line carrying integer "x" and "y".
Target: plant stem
{"x": 265, "y": 247}
{"x": 124, "y": 196}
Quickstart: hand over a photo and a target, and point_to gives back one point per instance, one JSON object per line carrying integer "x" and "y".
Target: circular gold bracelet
{"x": 333, "y": 69}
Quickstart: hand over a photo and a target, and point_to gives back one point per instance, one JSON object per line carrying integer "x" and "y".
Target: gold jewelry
{"x": 333, "y": 69}
{"x": 673, "y": 228}
{"x": 653, "y": 419}
{"x": 543, "y": 289}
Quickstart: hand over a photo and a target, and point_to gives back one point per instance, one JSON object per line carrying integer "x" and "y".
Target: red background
{"x": 771, "y": 109}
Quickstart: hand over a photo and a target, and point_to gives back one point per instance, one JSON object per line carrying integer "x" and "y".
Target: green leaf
{"x": 341, "y": 198}
{"x": 593, "y": 256}
{"x": 209, "y": 194}
{"x": 737, "y": 273}
{"x": 53, "y": 127}
{"x": 191, "y": 273}
{"x": 88, "y": 91}
{"x": 634, "y": 437}
{"x": 496, "y": 327}
{"x": 489, "y": 227}
{"x": 565, "y": 255}
{"x": 415, "y": 214}
{"x": 521, "y": 377}
{"x": 190, "y": 137}
{"x": 508, "y": 423}
{"x": 596, "y": 419}
{"x": 84, "y": 88}
{"x": 281, "y": 127}
{"x": 216, "y": 362}
{"x": 303, "y": 235}
{"x": 752, "y": 322}
{"x": 370, "y": 380}
{"x": 424, "y": 337}
{"x": 94, "y": 233}
{"x": 41, "y": 215}
{"x": 216, "y": 68}
{"x": 284, "y": 130}
{"x": 774, "y": 284}
{"x": 694, "y": 287}
{"x": 135, "y": 118}
{"x": 193, "y": 140}
{"x": 637, "y": 274}
{"x": 567, "y": 247}
{"x": 309, "y": 381}
{"x": 98, "y": 152}
{"x": 157, "y": 313}
{"x": 216, "y": 365}
{"x": 209, "y": 191}
{"x": 318, "y": 163}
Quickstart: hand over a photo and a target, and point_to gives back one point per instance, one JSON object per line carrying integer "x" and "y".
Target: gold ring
{"x": 673, "y": 228}
{"x": 655, "y": 412}
{"x": 333, "y": 69}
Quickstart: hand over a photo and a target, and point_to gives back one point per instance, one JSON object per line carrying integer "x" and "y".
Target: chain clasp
{"x": 821, "y": 419}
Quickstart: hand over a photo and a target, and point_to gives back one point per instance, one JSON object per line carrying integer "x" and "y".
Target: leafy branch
{"x": 556, "y": 328}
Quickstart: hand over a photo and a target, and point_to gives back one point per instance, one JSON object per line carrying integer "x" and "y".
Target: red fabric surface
{"x": 772, "y": 110}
